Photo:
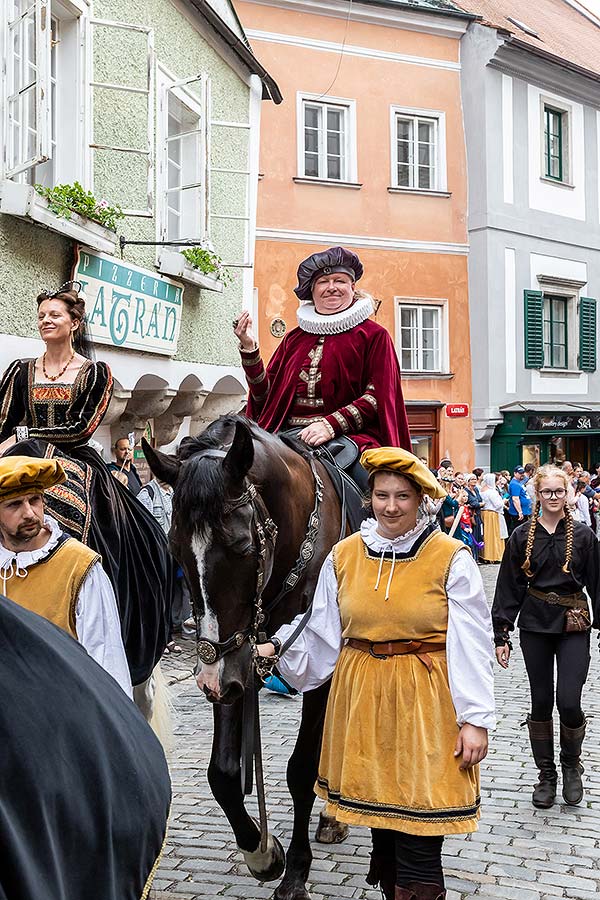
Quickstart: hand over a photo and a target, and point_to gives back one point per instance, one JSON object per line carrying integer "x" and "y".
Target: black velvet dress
{"x": 84, "y": 784}
{"x": 93, "y": 505}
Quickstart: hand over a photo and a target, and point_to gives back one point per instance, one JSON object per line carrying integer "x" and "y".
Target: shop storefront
{"x": 541, "y": 437}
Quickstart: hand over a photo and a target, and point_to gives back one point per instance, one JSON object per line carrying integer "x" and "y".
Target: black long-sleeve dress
{"x": 512, "y": 598}
{"x": 92, "y": 505}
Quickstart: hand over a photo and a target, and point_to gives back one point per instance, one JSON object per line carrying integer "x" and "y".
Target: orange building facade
{"x": 367, "y": 151}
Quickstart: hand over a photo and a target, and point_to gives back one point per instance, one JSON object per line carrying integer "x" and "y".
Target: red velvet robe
{"x": 351, "y": 360}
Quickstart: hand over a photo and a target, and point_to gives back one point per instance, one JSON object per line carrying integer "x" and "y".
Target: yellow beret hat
{"x": 21, "y": 475}
{"x": 404, "y": 463}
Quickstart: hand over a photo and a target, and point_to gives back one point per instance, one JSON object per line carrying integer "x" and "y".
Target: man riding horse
{"x": 337, "y": 373}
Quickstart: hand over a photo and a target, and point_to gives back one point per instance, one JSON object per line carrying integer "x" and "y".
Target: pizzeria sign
{"x": 128, "y": 306}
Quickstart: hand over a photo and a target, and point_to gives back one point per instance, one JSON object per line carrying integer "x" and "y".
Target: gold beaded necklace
{"x": 62, "y": 371}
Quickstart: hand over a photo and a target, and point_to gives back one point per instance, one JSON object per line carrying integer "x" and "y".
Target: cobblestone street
{"x": 518, "y": 852}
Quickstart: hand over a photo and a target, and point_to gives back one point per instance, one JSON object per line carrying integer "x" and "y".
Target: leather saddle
{"x": 340, "y": 457}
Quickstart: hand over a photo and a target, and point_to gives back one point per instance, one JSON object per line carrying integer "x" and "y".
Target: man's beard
{"x": 27, "y": 531}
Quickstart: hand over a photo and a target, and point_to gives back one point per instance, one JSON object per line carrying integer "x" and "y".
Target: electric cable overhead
{"x": 339, "y": 65}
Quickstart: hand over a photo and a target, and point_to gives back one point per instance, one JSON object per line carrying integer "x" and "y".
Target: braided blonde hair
{"x": 548, "y": 471}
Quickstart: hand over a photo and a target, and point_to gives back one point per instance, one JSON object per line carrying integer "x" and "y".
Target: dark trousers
{"x": 417, "y": 857}
{"x": 572, "y": 655}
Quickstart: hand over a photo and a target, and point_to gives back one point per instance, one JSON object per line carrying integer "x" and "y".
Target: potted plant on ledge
{"x": 197, "y": 265}
{"x": 65, "y": 208}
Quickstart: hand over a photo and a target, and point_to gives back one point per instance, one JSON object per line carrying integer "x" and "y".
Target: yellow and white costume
{"x": 391, "y": 726}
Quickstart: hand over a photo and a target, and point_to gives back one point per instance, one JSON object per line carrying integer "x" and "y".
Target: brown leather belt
{"x": 571, "y": 601}
{"x": 381, "y": 650}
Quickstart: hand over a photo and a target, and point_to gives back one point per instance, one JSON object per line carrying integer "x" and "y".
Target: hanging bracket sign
{"x": 127, "y": 306}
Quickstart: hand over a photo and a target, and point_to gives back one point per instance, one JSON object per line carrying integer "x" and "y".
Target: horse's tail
{"x": 153, "y": 697}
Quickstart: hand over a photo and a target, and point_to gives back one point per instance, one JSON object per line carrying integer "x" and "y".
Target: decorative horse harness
{"x": 265, "y": 530}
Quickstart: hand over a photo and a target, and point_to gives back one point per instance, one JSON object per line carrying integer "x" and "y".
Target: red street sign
{"x": 457, "y": 410}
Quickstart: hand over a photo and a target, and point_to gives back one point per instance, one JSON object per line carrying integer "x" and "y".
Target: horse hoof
{"x": 267, "y": 866}
{"x": 330, "y": 831}
{"x": 298, "y": 892}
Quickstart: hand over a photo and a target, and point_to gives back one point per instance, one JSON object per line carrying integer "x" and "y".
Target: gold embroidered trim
{"x": 313, "y": 403}
{"x": 304, "y": 376}
{"x": 248, "y": 361}
{"x": 258, "y": 380}
{"x": 340, "y": 419}
{"x": 370, "y": 399}
{"x": 355, "y": 413}
{"x": 151, "y": 876}
{"x": 329, "y": 428}
{"x": 301, "y": 421}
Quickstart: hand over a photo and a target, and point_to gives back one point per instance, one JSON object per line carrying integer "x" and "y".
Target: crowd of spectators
{"x": 483, "y": 509}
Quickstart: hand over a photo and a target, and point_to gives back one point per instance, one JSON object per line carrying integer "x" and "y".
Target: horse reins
{"x": 210, "y": 652}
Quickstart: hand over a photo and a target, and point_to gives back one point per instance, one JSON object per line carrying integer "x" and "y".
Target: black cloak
{"x": 84, "y": 785}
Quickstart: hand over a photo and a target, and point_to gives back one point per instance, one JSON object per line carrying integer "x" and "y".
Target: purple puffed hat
{"x": 336, "y": 259}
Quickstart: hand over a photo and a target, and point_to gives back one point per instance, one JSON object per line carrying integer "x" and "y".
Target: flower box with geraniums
{"x": 67, "y": 209}
{"x": 196, "y": 265}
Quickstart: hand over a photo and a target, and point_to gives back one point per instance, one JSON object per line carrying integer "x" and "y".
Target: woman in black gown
{"x": 51, "y": 406}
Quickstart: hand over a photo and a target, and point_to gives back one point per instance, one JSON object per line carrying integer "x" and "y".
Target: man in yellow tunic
{"x": 399, "y": 616}
{"x": 52, "y": 574}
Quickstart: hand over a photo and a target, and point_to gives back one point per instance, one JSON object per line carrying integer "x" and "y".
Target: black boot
{"x": 571, "y": 740}
{"x": 418, "y": 890}
{"x": 541, "y": 735}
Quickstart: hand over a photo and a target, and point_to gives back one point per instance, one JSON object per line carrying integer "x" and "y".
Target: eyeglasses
{"x": 559, "y": 493}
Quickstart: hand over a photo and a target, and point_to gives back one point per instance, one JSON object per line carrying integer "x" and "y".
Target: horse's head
{"x": 214, "y": 538}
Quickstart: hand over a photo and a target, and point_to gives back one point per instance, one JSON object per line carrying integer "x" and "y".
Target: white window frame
{"x": 147, "y": 152}
{"x": 440, "y": 184}
{"x": 557, "y": 288}
{"x": 73, "y": 18}
{"x": 424, "y": 303}
{"x": 350, "y": 173}
{"x": 167, "y": 82}
{"x": 566, "y": 109}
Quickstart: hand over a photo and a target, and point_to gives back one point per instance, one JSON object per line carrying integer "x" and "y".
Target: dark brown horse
{"x": 215, "y": 537}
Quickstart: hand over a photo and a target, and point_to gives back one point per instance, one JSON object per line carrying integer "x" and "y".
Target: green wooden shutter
{"x": 534, "y": 329}
{"x": 587, "y": 334}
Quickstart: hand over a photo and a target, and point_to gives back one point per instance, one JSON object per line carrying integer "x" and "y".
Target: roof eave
{"x": 240, "y": 49}
{"x": 455, "y": 13}
{"x": 518, "y": 44}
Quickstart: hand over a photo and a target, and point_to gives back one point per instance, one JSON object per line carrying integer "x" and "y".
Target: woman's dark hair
{"x": 75, "y": 304}
{"x": 478, "y": 472}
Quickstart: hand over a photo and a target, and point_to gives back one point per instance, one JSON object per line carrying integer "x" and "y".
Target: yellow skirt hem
{"x": 397, "y": 822}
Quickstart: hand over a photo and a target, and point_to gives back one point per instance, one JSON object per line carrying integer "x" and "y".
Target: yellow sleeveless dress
{"x": 387, "y": 759}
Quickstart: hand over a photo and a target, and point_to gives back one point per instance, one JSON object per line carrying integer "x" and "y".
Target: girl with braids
{"x": 548, "y": 562}
{"x": 50, "y": 407}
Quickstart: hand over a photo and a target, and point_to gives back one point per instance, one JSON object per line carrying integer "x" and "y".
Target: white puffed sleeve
{"x": 99, "y": 628}
{"x": 470, "y": 645}
{"x": 311, "y": 659}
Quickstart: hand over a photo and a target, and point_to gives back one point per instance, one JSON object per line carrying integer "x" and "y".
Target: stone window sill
{"x": 560, "y": 373}
{"x": 23, "y": 201}
{"x": 556, "y": 183}
{"x": 427, "y": 376}
{"x": 329, "y": 182}
{"x": 174, "y": 264}
{"x": 422, "y": 192}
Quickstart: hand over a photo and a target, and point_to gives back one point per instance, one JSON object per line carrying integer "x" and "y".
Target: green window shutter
{"x": 587, "y": 334}
{"x": 534, "y": 329}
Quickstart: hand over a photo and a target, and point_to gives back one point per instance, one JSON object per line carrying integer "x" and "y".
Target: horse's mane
{"x": 200, "y": 494}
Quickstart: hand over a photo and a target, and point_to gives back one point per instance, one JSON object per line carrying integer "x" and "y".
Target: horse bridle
{"x": 265, "y": 531}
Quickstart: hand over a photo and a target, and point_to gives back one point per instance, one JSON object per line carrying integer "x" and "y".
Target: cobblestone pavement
{"x": 518, "y": 852}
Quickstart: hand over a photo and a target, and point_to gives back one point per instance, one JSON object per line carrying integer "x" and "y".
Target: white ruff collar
{"x": 315, "y": 323}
